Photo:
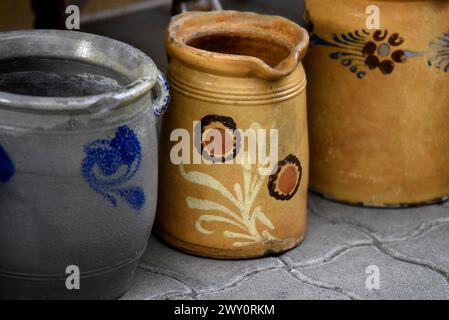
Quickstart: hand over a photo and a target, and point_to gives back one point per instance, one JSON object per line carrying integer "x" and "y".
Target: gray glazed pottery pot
{"x": 78, "y": 175}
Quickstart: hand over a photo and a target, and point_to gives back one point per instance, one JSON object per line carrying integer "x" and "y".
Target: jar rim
{"x": 275, "y": 29}
{"x": 78, "y": 46}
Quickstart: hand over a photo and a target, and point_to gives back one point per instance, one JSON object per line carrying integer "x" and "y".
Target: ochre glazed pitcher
{"x": 379, "y": 101}
{"x": 235, "y": 71}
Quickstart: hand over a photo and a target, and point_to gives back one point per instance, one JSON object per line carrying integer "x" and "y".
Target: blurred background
{"x": 140, "y": 23}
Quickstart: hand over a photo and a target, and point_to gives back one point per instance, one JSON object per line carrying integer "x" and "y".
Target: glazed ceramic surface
{"x": 229, "y": 71}
{"x": 378, "y": 101}
{"x": 78, "y": 175}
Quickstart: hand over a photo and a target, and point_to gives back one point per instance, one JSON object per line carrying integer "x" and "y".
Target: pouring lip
{"x": 137, "y": 87}
{"x": 235, "y": 64}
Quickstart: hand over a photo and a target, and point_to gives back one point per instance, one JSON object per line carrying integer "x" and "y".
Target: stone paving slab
{"x": 384, "y": 224}
{"x": 431, "y": 248}
{"x": 273, "y": 284}
{"x": 151, "y": 285}
{"x": 324, "y": 240}
{"x": 201, "y": 274}
{"x": 399, "y": 280}
{"x": 409, "y": 246}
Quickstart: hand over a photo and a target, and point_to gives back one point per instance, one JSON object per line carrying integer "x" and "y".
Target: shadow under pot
{"x": 378, "y": 102}
{"x": 237, "y": 86}
{"x": 78, "y": 163}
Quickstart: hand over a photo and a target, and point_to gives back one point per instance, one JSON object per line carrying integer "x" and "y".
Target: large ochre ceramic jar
{"x": 233, "y": 71}
{"x": 379, "y": 101}
{"x": 78, "y": 163}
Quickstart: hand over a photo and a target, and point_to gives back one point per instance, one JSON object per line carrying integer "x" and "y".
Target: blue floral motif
{"x": 361, "y": 51}
{"x": 7, "y": 168}
{"x": 440, "y": 57}
{"x": 110, "y": 164}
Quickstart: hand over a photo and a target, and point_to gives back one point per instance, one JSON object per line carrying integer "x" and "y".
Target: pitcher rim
{"x": 203, "y": 60}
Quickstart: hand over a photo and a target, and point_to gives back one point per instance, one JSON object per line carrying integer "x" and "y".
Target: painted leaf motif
{"x": 268, "y": 236}
{"x": 244, "y": 244}
{"x": 134, "y": 196}
{"x": 207, "y": 205}
{"x": 246, "y": 161}
{"x": 6, "y": 166}
{"x": 207, "y": 181}
{"x": 259, "y": 214}
{"x": 244, "y": 198}
{"x": 230, "y": 234}
{"x": 110, "y": 164}
{"x": 238, "y": 194}
{"x": 210, "y": 218}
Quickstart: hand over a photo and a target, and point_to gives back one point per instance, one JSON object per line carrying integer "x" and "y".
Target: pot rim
{"x": 234, "y": 64}
{"x": 86, "y": 46}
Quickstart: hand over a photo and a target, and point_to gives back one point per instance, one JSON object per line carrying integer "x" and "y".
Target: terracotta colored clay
{"x": 228, "y": 71}
{"x": 378, "y": 101}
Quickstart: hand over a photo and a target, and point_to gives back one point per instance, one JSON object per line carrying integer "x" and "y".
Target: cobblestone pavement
{"x": 410, "y": 247}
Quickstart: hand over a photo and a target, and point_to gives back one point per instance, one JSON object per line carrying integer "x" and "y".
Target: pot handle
{"x": 161, "y": 95}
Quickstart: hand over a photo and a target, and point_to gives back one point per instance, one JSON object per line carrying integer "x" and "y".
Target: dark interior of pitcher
{"x": 57, "y": 77}
{"x": 271, "y": 52}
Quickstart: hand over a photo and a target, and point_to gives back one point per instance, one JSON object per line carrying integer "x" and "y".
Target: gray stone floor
{"x": 409, "y": 246}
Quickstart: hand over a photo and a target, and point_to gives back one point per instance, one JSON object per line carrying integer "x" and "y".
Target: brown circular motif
{"x": 284, "y": 184}
{"x": 386, "y": 66}
{"x": 379, "y": 53}
{"x": 369, "y": 48}
{"x": 378, "y": 36}
{"x": 398, "y": 56}
{"x": 372, "y": 62}
{"x": 226, "y": 126}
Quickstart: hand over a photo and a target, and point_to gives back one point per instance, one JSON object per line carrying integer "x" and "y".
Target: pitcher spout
{"x": 239, "y": 44}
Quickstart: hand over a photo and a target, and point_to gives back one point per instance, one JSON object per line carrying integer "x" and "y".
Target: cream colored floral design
{"x": 247, "y": 214}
